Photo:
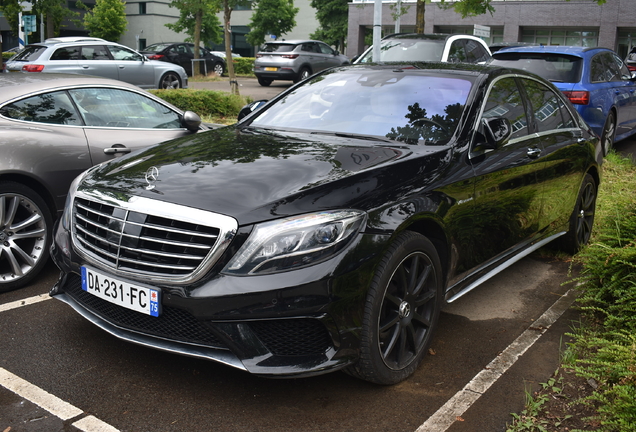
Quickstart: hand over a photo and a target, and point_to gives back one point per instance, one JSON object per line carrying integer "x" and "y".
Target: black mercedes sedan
{"x": 326, "y": 229}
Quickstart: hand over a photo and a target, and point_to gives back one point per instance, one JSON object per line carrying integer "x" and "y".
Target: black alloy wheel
{"x": 265, "y": 82}
{"x": 170, "y": 80}
{"x": 401, "y": 311}
{"x": 609, "y": 132}
{"x": 582, "y": 218}
{"x": 25, "y": 235}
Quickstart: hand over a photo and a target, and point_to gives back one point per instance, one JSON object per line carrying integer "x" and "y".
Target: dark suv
{"x": 294, "y": 60}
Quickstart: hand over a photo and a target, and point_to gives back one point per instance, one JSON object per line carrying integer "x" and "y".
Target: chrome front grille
{"x": 168, "y": 244}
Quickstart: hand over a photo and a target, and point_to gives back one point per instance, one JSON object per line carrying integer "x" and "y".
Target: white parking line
{"x": 463, "y": 399}
{"x": 42, "y": 398}
{"x": 24, "y": 302}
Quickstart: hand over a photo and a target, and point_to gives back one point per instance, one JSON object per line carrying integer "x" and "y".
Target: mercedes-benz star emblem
{"x": 152, "y": 174}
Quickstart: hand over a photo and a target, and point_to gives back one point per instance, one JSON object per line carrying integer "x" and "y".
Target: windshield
{"x": 30, "y": 53}
{"x": 156, "y": 47}
{"x": 553, "y": 67}
{"x": 406, "y": 106}
{"x": 396, "y": 50}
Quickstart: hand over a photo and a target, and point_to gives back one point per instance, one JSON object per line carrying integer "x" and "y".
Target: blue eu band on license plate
{"x": 122, "y": 293}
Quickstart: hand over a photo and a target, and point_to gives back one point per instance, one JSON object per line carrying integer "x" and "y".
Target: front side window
{"x": 325, "y": 49}
{"x": 52, "y": 108}
{"x": 125, "y": 54}
{"x": 95, "y": 52}
{"x": 504, "y": 100}
{"x": 104, "y": 107}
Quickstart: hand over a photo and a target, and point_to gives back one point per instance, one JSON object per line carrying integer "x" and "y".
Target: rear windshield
{"x": 156, "y": 47}
{"x": 393, "y": 50}
{"x": 274, "y": 47}
{"x": 30, "y": 53}
{"x": 553, "y": 67}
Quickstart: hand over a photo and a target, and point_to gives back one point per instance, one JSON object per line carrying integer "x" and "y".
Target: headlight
{"x": 296, "y": 241}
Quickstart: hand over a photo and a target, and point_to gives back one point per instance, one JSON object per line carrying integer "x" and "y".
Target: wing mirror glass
{"x": 250, "y": 108}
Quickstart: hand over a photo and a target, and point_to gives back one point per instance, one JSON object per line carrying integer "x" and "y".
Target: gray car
{"x": 52, "y": 128}
{"x": 98, "y": 57}
{"x": 294, "y": 60}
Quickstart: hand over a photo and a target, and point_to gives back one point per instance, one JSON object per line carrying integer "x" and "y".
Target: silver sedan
{"x": 53, "y": 127}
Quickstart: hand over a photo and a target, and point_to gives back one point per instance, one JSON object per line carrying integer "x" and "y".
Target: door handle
{"x": 534, "y": 152}
{"x": 117, "y": 148}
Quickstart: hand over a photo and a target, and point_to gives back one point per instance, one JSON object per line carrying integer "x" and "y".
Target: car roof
{"x": 430, "y": 36}
{"x": 552, "y": 49}
{"x": 292, "y": 41}
{"x": 17, "y": 84}
{"x": 74, "y": 39}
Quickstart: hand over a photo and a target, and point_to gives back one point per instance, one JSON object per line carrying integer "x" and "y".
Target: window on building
{"x": 496, "y": 32}
{"x": 626, "y": 40}
{"x": 142, "y": 8}
{"x": 556, "y": 36}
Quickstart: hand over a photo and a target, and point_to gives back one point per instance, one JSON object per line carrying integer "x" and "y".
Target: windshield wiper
{"x": 355, "y": 136}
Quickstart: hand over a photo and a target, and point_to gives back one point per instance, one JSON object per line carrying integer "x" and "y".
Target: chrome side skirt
{"x": 498, "y": 269}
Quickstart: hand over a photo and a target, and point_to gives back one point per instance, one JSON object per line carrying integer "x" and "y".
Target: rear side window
{"x": 553, "y": 67}
{"x": 475, "y": 52}
{"x": 274, "y": 47}
{"x": 66, "y": 53}
{"x": 30, "y": 53}
{"x": 52, "y": 108}
{"x": 545, "y": 106}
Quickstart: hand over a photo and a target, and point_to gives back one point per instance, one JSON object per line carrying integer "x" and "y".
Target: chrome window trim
{"x": 226, "y": 225}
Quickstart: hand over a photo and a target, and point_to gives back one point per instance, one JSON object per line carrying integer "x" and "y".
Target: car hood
{"x": 254, "y": 175}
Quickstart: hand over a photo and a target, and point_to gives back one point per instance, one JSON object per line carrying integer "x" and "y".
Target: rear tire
{"x": 265, "y": 82}
{"x": 582, "y": 218}
{"x": 401, "y": 312}
{"x": 303, "y": 74}
{"x": 25, "y": 235}
{"x": 170, "y": 80}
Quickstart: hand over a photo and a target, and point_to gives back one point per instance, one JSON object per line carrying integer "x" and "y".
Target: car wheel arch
{"x": 34, "y": 184}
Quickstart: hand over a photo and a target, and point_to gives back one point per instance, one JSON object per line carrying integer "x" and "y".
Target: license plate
{"x": 122, "y": 293}
{"x": 271, "y": 69}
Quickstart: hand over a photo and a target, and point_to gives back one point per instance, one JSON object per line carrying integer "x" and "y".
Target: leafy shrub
{"x": 243, "y": 65}
{"x": 203, "y": 102}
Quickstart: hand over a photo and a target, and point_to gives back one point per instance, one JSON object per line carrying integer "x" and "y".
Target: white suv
{"x": 429, "y": 47}
{"x": 94, "y": 56}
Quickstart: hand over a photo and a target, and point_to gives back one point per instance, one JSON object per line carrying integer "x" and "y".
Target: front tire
{"x": 218, "y": 69}
{"x": 25, "y": 235}
{"x": 401, "y": 311}
{"x": 170, "y": 80}
{"x": 582, "y": 218}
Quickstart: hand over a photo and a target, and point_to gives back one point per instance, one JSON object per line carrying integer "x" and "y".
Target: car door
{"x": 329, "y": 57}
{"x": 65, "y": 60}
{"x": 508, "y": 196}
{"x": 96, "y": 60}
{"x": 119, "y": 121}
{"x": 629, "y": 86}
{"x": 131, "y": 67}
{"x": 309, "y": 54}
{"x": 44, "y": 136}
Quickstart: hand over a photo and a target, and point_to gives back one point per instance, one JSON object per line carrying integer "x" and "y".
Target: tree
{"x": 107, "y": 20}
{"x": 332, "y": 15}
{"x": 197, "y": 18}
{"x": 55, "y": 11}
{"x": 275, "y": 17}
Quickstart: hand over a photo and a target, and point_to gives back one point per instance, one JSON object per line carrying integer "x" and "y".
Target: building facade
{"x": 549, "y": 22}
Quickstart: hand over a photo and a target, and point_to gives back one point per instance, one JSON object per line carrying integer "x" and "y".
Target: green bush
{"x": 243, "y": 65}
{"x": 7, "y": 55}
{"x": 203, "y": 102}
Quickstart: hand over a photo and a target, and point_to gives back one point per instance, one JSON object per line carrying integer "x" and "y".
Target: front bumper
{"x": 298, "y": 323}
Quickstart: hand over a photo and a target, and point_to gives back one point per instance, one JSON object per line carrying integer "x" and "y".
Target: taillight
{"x": 578, "y": 97}
{"x": 33, "y": 68}
{"x": 290, "y": 56}
{"x": 155, "y": 57}
{"x": 631, "y": 68}
{"x": 259, "y": 55}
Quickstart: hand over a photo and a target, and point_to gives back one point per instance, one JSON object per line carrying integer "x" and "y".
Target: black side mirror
{"x": 497, "y": 131}
{"x": 250, "y": 108}
{"x": 191, "y": 121}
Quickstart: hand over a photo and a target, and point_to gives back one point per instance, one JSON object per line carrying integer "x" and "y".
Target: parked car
{"x": 53, "y": 127}
{"x": 326, "y": 229}
{"x": 95, "y": 56}
{"x": 294, "y": 60}
{"x": 429, "y": 47}
{"x": 596, "y": 80}
{"x": 182, "y": 54}
{"x": 630, "y": 60}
